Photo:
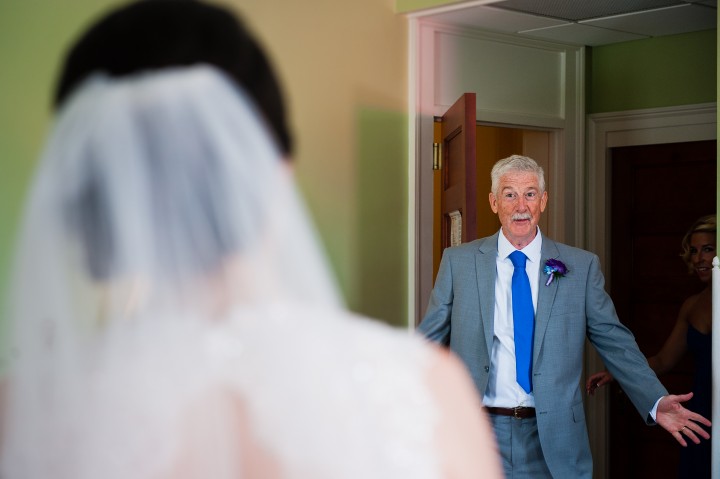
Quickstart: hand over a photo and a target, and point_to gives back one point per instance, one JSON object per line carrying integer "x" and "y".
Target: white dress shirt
{"x": 503, "y": 389}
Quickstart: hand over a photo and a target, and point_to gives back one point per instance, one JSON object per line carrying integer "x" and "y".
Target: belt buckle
{"x": 516, "y": 412}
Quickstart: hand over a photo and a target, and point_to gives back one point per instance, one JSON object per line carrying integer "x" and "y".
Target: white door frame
{"x": 431, "y": 93}
{"x": 633, "y": 128}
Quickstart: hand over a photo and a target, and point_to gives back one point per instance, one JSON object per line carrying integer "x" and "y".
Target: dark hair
{"x": 154, "y": 34}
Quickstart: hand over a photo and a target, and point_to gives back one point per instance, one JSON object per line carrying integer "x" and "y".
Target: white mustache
{"x": 521, "y": 216}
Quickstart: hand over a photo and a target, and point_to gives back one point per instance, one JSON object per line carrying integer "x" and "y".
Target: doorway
{"x": 658, "y": 192}
{"x": 680, "y": 124}
{"x": 492, "y": 143}
{"x": 447, "y": 61}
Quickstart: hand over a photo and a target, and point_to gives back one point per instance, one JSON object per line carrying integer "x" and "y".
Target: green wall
{"x": 651, "y": 73}
{"x": 382, "y": 218}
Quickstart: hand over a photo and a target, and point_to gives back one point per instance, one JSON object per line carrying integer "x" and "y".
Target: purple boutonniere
{"x": 553, "y": 268}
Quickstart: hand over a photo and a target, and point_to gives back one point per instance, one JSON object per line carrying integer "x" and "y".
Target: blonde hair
{"x": 704, "y": 224}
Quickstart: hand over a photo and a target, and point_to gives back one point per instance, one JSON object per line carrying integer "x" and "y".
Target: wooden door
{"x": 658, "y": 191}
{"x": 458, "y": 189}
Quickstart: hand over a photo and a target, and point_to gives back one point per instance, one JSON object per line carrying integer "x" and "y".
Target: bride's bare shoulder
{"x": 464, "y": 437}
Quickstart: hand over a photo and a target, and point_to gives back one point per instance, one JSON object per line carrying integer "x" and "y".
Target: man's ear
{"x": 543, "y": 201}
{"x": 493, "y": 203}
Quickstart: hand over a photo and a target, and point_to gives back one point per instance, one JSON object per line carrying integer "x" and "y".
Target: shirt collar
{"x": 533, "y": 250}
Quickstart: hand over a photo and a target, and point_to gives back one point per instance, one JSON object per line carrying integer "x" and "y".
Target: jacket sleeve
{"x": 617, "y": 347}
{"x": 436, "y": 323}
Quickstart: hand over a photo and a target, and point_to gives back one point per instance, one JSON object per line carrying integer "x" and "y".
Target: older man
{"x": 517, "y": 307}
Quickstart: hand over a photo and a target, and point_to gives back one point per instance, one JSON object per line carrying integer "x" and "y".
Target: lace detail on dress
{"x": 333, "y": 398}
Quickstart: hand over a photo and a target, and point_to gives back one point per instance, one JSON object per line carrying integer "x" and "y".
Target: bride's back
{"x": 174, "y": 315}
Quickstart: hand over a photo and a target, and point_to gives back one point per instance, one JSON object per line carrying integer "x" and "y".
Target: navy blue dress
{"x": 695, "y": 458}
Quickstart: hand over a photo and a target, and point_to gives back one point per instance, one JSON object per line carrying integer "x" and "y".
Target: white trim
{"x": 715, "y": 391}
{"x": 629, "y": 128}
{"x": 423, "y": 120}
{"x": 413, "y": 39}
{"x": 448, "y": 8}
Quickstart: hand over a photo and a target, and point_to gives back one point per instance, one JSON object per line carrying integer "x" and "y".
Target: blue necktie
{"x": 523, "y": 320}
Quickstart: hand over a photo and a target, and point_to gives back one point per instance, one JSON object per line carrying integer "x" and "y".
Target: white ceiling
{"x": 585, "y": 22}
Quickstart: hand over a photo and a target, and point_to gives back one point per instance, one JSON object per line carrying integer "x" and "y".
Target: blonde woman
{"x": 692, "y": 333}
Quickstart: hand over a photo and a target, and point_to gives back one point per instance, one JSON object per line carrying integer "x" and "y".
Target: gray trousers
{"x": 519, "y": 445}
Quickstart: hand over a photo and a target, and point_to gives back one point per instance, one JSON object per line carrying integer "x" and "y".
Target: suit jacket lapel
{"x": 486, "y": 271}
{"x": 546, "y": 296}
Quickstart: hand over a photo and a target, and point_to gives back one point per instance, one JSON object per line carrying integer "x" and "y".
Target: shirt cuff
{"x": 653, "y": 411}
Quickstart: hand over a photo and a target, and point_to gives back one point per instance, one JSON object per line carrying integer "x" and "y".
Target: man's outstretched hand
{"x": 678, "y": 421}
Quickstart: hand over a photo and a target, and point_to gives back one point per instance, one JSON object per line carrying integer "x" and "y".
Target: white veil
{"x": 161, "y": 208}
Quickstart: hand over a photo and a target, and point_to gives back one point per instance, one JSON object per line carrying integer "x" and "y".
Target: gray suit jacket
{"x": 571, "y": 308}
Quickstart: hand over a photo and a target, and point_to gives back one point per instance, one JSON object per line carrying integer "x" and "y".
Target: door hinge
{"x": 437, "y": 156}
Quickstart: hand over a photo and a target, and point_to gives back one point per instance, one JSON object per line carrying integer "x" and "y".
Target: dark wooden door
{"x": 458, "y": 191}
{"x": 658, "y": 191}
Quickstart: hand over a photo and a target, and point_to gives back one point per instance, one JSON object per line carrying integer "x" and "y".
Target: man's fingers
{"x": 692, "y": 431}
{"x": 698, "y": 430}
{"x": 679, "y": 437}
{"x": 701, "y": 419}
{"x": 690, "y": 434}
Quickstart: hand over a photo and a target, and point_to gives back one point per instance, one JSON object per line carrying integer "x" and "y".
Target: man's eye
{"x": 530, "y": 195}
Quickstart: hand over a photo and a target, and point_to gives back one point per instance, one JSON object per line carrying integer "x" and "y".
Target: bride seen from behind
{"x": 173, "y": 313}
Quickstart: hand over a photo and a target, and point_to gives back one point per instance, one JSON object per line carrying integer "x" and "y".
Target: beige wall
{"x": 344, "y": 64}
{"x": 344, "y": 67}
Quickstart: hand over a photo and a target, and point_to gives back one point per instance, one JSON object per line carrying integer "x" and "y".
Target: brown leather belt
{"x": 519, "y": 412}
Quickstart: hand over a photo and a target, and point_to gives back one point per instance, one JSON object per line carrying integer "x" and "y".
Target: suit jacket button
{"x": 487, "y": 369}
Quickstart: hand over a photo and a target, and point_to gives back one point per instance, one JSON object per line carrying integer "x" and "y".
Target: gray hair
{"x": 516, "y": 163}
